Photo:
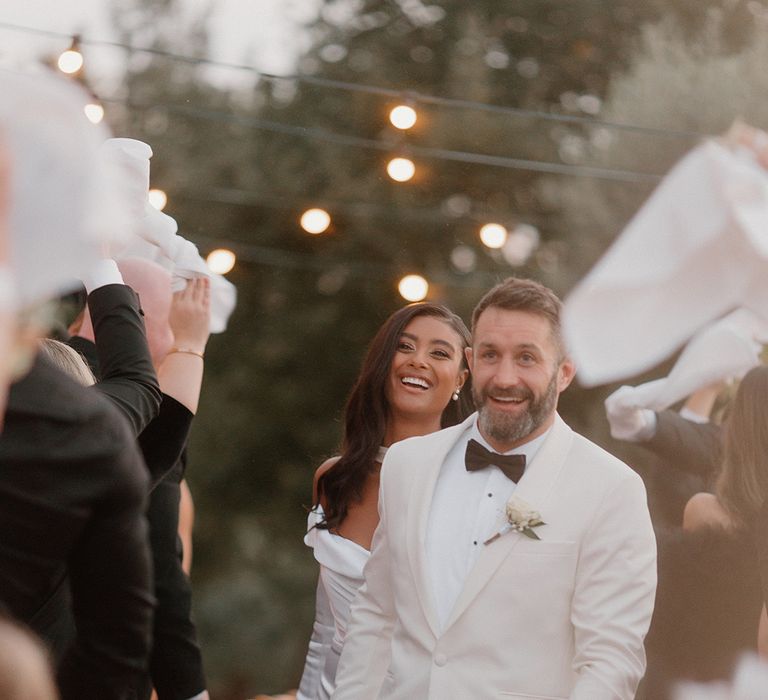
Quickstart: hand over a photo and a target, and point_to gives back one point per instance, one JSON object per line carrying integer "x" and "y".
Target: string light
{"x": 71, "y": 60}
{"x": 158, "y": 199}
{"x": 401, "y": 169}
{"x": 413, "y": 288}
{"x": 221, "y": 261}
{"x": 372, "y": 89}
{"x": 315, "y": 221}
{"x": 493, "y": 235}
{"x": 402, "y": 117}
{"x": 94, "y": 111}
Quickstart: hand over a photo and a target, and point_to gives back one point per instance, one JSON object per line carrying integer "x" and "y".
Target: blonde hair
{"x": 68, "y": 360}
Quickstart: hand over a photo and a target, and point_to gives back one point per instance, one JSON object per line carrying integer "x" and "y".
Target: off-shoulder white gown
{"x": 341, "y": 574}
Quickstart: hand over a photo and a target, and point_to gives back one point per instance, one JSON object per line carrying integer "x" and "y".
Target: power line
{"x": 371, "y": 89}
{"x": 321, "y": 134}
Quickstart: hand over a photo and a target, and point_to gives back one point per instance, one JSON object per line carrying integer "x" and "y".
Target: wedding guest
{"x": 513, "y": 556}
{"x": 410, "y": 384}
{"x": 709, "y": 598}
{"x": 177, "y": 332}
{"x": 72, "y": 483}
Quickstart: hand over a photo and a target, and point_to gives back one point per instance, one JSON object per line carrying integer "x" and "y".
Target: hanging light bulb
{"x": 221, "y": 261}
{"x": 315, "y": 221}
{"x": 413, "y": 288}
{"x": 94, "y": 111}
{"x": 402, "y": 117}
{"x": 401, "y": 169}
{"x": 158, "y": 199}
{"x": 71, "y": 60}
{"x": 493, "y": 235}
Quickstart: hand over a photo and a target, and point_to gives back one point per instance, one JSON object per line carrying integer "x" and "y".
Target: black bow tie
{"x": 477, "y": 457}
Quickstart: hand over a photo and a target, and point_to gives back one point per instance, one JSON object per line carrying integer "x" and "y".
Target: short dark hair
{"x": 519, "y": 294}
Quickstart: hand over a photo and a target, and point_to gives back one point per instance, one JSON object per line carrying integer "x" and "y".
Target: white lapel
{"x": 419, "y": 502}
{"x": 534, "y": 489}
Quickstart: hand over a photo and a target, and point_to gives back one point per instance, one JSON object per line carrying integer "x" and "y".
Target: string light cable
{"x": 320, "y": 134}
{"x": 390, "y": 93}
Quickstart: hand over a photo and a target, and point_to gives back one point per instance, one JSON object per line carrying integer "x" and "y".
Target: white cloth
{"x": 560, "y": 617}
{"x": 341, "y": 574}
{"x": 730, "y": 347}
{"x": 467, "y": 508}
{"x": 104, "y": 272}
{"x": 156, "y": 236}
{"x": 67, "y": 206}
{"x": 695, "y": 250}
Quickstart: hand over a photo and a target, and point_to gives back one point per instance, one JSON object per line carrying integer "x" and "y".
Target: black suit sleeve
{"x": 692, "y": 447}
{"x": 128, "y": 378}
{"x": 162, "y": 441}
{"x": 176, "y": 665}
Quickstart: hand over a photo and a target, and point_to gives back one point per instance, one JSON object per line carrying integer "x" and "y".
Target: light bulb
{"x": 221, "y": 261}
{"x": 158, "y": 199}
{"x": 402, "y": 117}
{"x": 401, "y": 169}
{"x": 70, "y": 61}
{"x": 413, "y": 288}
{"x": 315, "y": 221}
{"x": 94, "y": 111}
{"x": 493, "y": 235}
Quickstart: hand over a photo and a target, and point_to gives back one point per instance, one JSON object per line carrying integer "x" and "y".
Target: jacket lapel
{"x": 419, "y": 503}
{"x": 534, "y": 488}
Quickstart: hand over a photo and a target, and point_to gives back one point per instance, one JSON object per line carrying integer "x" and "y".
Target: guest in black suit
{"x": 177, "y": 330}
{"x": 72, "y": 498}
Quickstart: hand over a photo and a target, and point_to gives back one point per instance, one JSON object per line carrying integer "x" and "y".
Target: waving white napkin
{"x": 156, "y": 233}
{"x": 697, "y": 249}
{"x": 727, "y": 348}
{"x": 68, "y": 207}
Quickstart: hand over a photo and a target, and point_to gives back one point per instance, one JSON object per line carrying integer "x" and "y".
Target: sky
{"x": 265, "y": 33}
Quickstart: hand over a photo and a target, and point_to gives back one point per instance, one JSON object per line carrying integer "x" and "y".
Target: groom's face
{"x": 517, "y": 376}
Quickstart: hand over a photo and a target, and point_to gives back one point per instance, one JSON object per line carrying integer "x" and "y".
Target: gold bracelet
{"x": 187, "y": 351}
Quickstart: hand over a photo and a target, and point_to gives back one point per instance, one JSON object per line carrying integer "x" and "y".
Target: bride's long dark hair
{"x": 367, "y": 410}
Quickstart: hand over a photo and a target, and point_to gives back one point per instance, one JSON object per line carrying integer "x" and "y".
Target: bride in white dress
{"x": 410, "y": 384}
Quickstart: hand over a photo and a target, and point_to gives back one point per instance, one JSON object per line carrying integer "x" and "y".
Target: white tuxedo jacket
{"x": 560, "y": 617}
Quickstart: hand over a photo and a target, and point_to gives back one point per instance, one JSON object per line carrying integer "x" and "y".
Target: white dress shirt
{"x": 467, "y": 508}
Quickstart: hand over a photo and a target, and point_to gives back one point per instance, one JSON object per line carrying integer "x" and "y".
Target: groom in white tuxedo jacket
{"x": 480, "y": 587}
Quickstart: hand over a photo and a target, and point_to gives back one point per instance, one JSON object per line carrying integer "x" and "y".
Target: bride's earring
{"x": 455, "y": 395}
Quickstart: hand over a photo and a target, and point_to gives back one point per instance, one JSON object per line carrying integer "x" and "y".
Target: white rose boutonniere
{"x": 520, "y": 518}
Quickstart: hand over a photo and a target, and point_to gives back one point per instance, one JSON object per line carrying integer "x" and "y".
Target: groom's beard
{"x": 505, "y": 427}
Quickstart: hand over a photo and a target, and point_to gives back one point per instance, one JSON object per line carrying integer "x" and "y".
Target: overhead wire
{"x": 348, "y": 86}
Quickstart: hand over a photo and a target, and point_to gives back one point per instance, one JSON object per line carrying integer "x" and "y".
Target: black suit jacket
{"x": 72, "y": 498}
{"x": 120, "y": 358}
{"x": 692, "y": 447}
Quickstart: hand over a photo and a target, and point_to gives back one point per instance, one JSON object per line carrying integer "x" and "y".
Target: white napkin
{"x": 68, "y": 206}
{"x": 156, "y": 236}
{"x": 728, "y": 348}
{"x": 696, "y": 249}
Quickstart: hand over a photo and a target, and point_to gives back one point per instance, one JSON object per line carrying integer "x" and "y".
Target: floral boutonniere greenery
{"x": 520, "y": 518}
